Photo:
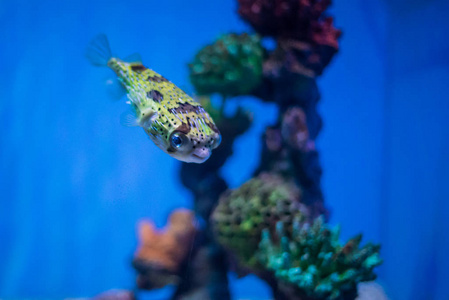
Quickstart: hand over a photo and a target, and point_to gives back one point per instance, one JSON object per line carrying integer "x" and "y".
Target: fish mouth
{"x": 200, "y": 155}
{"x": 198, "y": 158}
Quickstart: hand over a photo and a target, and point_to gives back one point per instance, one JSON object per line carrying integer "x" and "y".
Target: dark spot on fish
{"x": 157, "y": 79}
{"x": 155, "y": 95}
{"x": 184, "y": 128}
{"x": 186, "y": 107}
{"x": 138, "y": 68}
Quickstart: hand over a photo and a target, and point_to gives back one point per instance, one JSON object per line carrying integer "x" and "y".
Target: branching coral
{"x": 312, "y": 260}
{"x": 231, "y": 66}
{"x": 243, "y": 214}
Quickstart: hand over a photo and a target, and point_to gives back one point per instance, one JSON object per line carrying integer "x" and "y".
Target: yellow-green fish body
{"x": 173, "y": 120}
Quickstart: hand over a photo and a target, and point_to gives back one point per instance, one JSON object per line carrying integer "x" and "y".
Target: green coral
{"x": 243, "y": 214}
{"x": 313, "y": 260}
{"x": 231, "y": 66}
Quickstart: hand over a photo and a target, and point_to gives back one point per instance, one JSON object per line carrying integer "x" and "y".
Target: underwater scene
{"x": 224, "y": 150}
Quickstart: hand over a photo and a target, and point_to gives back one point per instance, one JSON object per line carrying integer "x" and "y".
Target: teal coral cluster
{"x": 243, "y": 214}
{"x": 231, "y": 66}
{"x": 266, "y": 227}
{"x": 313, "y": 261}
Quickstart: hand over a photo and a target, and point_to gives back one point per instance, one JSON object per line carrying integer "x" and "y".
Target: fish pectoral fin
{"x": 133, "y": 58}
{"x": 129, "y": 120}
{"x": 144, "y": 119}
{"x": 115, "y": 89}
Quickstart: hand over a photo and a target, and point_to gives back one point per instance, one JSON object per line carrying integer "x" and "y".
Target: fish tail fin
{"x": 98, "y": 51}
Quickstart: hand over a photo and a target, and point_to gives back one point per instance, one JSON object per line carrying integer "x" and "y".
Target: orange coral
{"x": 167, "y": 248}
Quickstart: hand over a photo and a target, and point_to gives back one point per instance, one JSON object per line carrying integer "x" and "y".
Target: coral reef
{"x": 312, "y": 262}
{"x": 161, "y": 252}
{"x": 272, "y": 225}
{"x": 231, "y": 66}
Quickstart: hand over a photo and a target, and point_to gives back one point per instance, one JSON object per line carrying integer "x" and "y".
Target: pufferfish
{"x": 175, "y": 122}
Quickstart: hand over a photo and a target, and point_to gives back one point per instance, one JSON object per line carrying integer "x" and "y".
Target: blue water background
{"x": 74, "y": 182}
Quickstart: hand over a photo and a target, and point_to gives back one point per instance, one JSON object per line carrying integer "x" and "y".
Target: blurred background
{"x": 74, "y": 182}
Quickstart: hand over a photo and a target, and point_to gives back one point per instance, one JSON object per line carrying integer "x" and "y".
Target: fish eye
{"x": 176, "y": 140}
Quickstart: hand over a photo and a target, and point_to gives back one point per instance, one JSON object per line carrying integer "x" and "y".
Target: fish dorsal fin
{"x": 133, "y": 58}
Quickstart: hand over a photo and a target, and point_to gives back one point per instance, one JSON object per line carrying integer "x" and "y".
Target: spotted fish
{"x": 175, "y": 122}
